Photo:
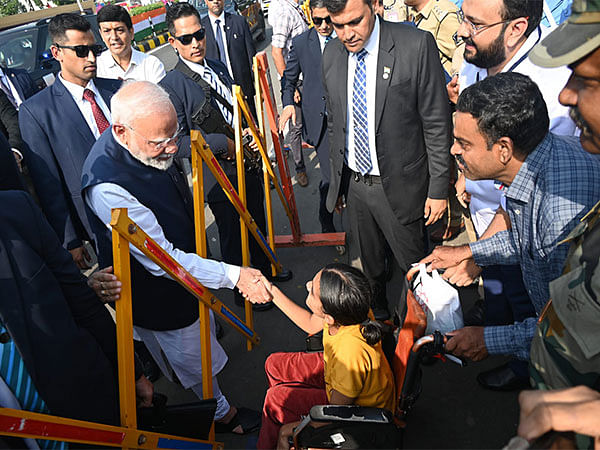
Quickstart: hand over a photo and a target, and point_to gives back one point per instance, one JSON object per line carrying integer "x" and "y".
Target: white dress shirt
{"x": 213, "y": 19}
{"x": 485, "y": 197}
{"x": 372, "y": 48}
{"x": 84, "y": 106}
{"x": 142, "y": 67}
{"x": 5, "y": 79}
{"x": 323, "y": 38}
{"x": 216, "y": 83}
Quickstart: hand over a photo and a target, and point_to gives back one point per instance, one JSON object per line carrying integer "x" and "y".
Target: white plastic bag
{"x": 439, "y": 300}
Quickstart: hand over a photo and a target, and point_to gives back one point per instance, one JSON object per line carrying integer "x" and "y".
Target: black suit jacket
{"x": 10, "y": 178}
{"x": 9, "y": 123}
{"x": 240, "y": 48}
{"x": 305, "y": 59}
{"x": 63, "y": 332}
{"x": 22, "y": 82}
{"x": 412, "y": 118}
{"x": 187, "y": 97}
{"x": 59, "y": 140}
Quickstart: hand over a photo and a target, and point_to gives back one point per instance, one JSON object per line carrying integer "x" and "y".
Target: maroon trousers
{"x": 296, "y": 384}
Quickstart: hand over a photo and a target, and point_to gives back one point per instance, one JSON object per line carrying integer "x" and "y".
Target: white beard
{"x": 160, "y": 164}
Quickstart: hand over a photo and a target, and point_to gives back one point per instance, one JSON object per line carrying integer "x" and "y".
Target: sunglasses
{"x": 82, "y": 51}
{"x": 319, "y": 20}
{"x": 187, "y": 39}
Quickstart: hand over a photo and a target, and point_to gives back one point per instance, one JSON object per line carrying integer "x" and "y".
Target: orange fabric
{"x": 413, "y": 328}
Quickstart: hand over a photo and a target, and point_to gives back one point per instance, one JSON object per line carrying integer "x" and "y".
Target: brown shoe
{"x": 302, "y": 179}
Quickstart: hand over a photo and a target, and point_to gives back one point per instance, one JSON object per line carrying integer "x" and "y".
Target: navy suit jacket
{"x": 22, "y": 82}
{"x": 59, "y": 140}
{"x": 240, "y": 48}
{"x": 63, "y": 332}
{"x": 305, "y": 59}
{"x": 187, "y": 96}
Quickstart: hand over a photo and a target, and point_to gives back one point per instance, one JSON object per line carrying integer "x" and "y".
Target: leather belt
{"x": 367, "y": 179}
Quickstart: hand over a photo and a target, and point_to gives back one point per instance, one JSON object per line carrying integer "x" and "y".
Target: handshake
{"x": 253, "y": 285}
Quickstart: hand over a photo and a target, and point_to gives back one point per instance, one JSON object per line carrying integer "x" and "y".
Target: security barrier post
{"x": 204, "y": 312}
{"x": 124, "y": 324}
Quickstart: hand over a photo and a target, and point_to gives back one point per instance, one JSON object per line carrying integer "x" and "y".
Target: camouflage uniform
{"x": 439, "y": 17}
{"x": 566, "y": 348}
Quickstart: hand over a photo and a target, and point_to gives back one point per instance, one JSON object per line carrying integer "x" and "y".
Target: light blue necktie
{"x": 220, "y": 45}
{"x": 17, "y": 378}
{"x": 359, "y": 114}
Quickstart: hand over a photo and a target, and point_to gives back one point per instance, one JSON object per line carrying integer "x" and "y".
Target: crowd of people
{"x": 419, "y": 112}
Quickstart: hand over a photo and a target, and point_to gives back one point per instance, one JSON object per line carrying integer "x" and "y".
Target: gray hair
{"x": 137, "y": 100}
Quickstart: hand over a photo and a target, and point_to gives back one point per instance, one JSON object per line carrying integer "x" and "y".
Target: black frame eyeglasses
{"x": 83, "y": 51}
{"x": 186, "y": 39}
{"x": 318, "y": 21}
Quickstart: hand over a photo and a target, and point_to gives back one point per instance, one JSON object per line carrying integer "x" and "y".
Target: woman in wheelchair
{"x": 352, "y": 369}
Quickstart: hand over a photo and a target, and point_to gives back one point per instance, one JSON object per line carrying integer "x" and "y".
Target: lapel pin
{"x": 386, "y": 72}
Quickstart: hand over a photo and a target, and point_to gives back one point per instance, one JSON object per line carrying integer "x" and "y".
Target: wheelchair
{"x": 351, "y": 426}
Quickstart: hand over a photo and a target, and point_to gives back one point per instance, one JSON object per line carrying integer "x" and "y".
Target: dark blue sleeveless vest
{"x": 158, "y": 302}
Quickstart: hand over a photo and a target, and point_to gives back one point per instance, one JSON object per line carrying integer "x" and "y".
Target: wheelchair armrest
{"x": 350, "y": 413}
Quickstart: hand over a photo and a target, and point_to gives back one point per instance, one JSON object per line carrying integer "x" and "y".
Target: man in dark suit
{"x": 305, "y": 59}
{"x": 60, "y": 125}
{"x": 17, "y": 84}
{"x": 63, "y": 332}
{"x": 188, "y": 97}
{"x": 389, "y": 130}
{"x": 228, "y": 39}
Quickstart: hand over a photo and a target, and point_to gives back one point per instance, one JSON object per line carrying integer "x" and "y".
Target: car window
{"x": 17, "y": 50}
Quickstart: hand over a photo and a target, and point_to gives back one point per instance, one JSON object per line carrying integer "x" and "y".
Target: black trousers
{"x": 228, "y": 224}
{"x": 325, "y": 217}
{"x": 372, "y": 225}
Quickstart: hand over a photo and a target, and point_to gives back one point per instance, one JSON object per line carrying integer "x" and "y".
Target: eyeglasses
{"x": 161, "y": 144}
{"x": 186, "y": 39}
{"x": 476, "y": 29}
{"x": 83, "y": 51}
{"x": 319, "y": 20}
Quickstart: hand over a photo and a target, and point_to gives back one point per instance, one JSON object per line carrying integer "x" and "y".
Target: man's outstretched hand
{"x": 443, "y": 257}
{"x": 251, "y": 287}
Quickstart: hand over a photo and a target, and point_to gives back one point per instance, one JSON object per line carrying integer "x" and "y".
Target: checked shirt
{"x": 556, "y": 185}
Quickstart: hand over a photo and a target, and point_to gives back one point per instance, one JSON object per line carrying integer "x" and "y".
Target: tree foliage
{"x": 10, "y": 7}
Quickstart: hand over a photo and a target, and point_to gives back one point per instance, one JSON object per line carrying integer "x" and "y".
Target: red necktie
{"x": 99, "y": 116}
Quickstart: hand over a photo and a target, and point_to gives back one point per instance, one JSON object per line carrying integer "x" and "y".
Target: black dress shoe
{"x": 502, "y": 378}
{"x": 284, "y": 275}
{"x": 474, "y": 317}
{"x": 240, "y": 301}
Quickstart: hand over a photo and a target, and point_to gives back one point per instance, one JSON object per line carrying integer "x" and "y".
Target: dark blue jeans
{"x": 506, "y": 302}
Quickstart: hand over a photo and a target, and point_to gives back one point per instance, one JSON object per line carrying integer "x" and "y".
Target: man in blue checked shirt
{"x": 549, "y": 183}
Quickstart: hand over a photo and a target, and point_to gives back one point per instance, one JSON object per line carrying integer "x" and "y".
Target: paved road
{"x": 452, "y": 412}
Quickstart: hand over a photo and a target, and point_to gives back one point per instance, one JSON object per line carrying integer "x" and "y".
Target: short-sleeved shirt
{"x": 356, "y": 369}
{"x": 142, "y": 67}
{"x": 439, "y": 17}
{"x": 288, "y": 21}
